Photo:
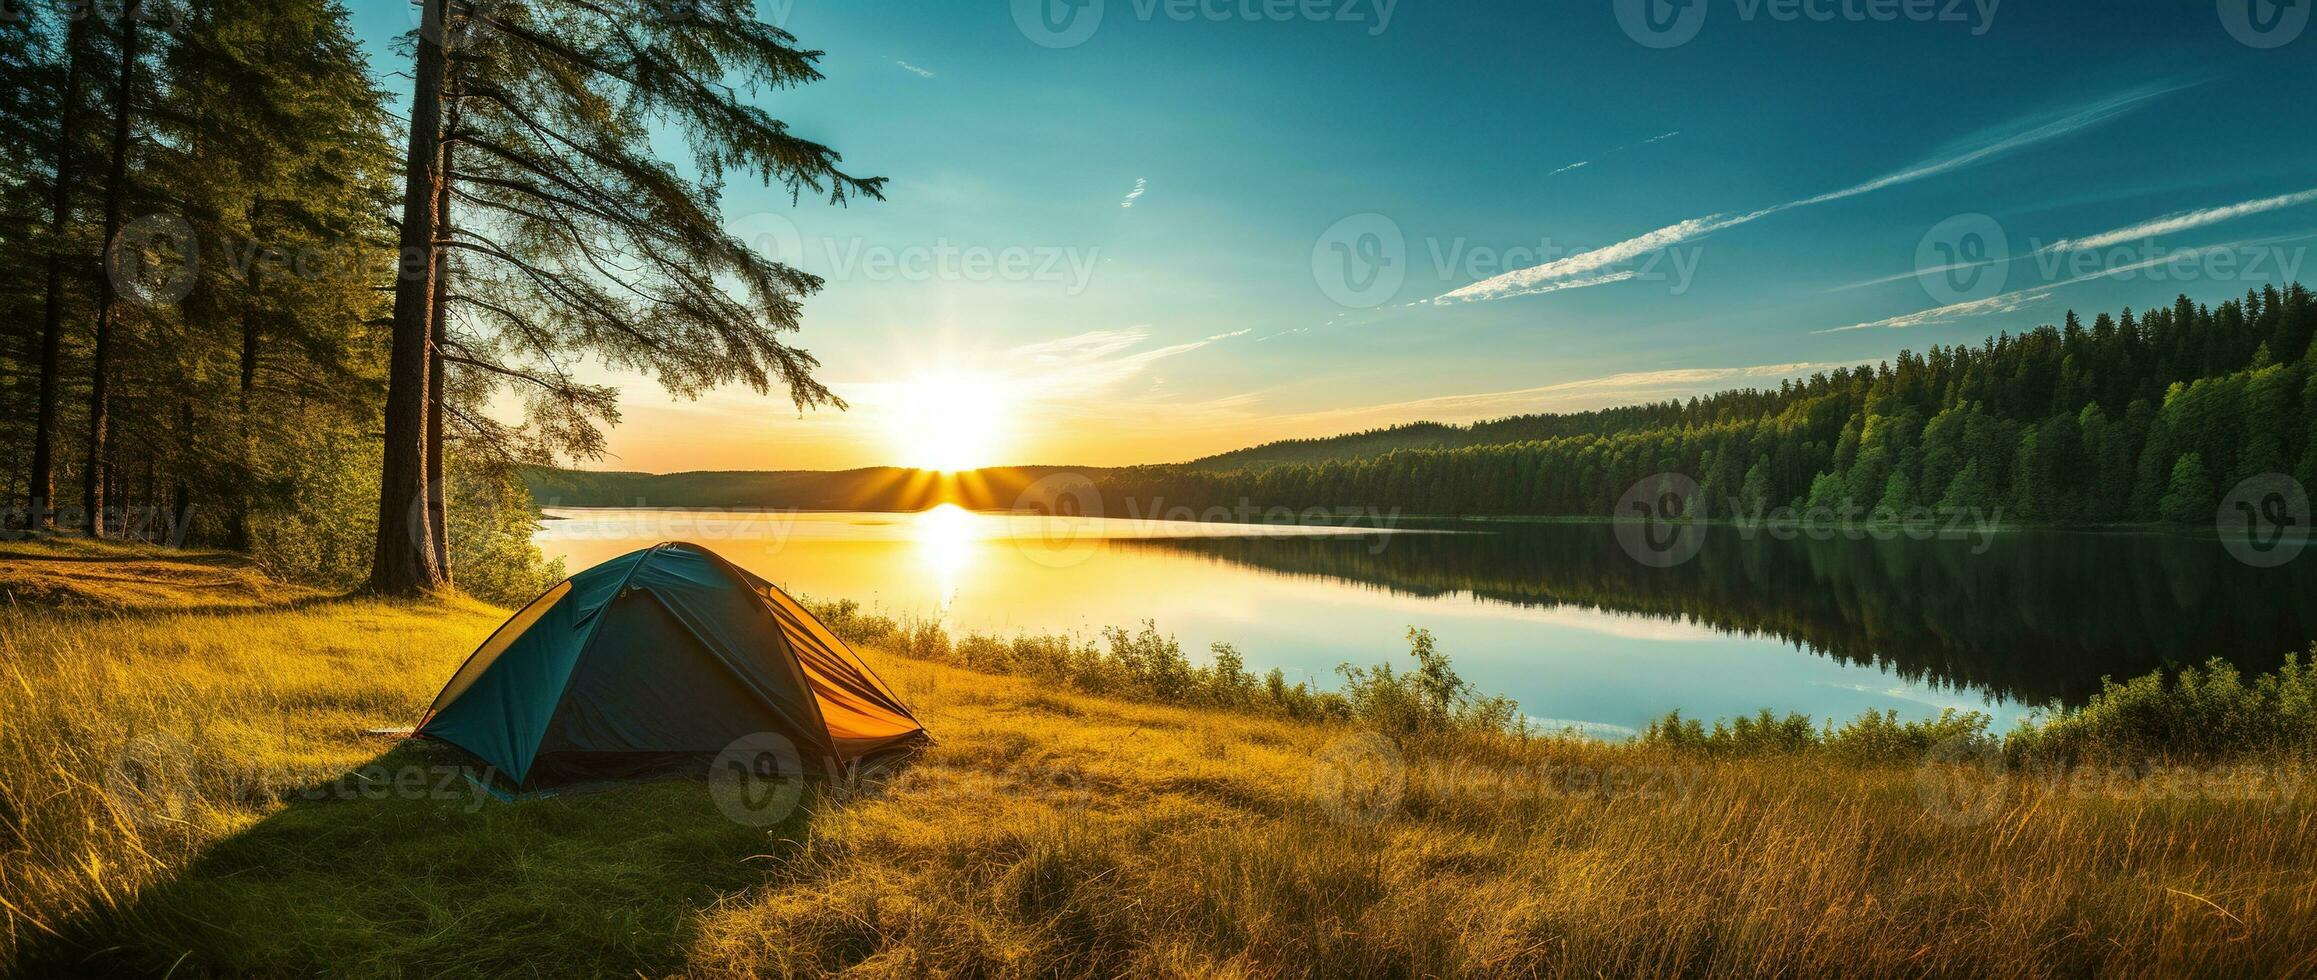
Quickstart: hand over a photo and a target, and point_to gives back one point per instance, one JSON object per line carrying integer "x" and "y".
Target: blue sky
{"x": 1134, "y": 246}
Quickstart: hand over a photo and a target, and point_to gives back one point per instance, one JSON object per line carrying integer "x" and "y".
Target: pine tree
{"x": 2189, "y": 496}
{"x": 1970, "y": 492}
{"x": 575, "y": 240}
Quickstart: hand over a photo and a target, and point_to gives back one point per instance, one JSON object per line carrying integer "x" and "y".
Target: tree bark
{"x": 403, "y": 564}
{"x": 237, "y": 522}
{"x": 42, "y": 489}
{"x": 438, "y": 483}
{"x": 181, "y": 502}
{"x": 108, "y": 296}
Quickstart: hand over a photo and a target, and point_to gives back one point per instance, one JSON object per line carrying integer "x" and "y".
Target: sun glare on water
{"x": 950, "y": 422}
{"x": 945, "y": 539}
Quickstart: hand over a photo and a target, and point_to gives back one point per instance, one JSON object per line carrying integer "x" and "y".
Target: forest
{"x": 258, "y": 302}
{"x": 2137, "y": 418}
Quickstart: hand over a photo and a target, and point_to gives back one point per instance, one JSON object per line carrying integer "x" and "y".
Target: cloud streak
{"x": 2013, "y": 302}
{"x": 1660, "y": 138}
{"x": 914, "y": 70}
{"x": 2183, "y": 221}
{"x": 1140, "y": 185}
{"x": 1567, "y": 396}
{"x": 1560, "y": 274}
{"x": 1992, "y": 305}
{"x": 1092, "y": 363}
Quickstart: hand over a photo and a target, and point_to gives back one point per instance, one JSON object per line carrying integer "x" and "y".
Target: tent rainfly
{"x": 658, "y": 660}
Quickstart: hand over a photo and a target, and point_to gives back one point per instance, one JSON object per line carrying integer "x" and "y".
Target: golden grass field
{"x": 1045, "y": 832}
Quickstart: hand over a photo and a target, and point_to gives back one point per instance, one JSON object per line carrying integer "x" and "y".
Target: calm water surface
{"x": 1557, "y": 616}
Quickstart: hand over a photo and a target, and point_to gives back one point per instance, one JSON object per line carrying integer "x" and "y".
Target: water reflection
{"x": 2030, "y": 617}
{"x": 945, "y": 538}
{"x": 1556, "y": 616}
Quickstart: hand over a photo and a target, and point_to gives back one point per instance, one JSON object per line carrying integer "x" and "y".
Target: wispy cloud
{"x": 2013, "y": 302}
{"x": 2006, "y": 303}
{"x": 1566, "y": 396}
{"x": 1662, "y": 137}
{"x": 2146, "y": 230}
{"x": 2183, "y": 221}
{"x": 1585, "y": 268}
{"x": 1994, "y": 144}
{"x": 1140, "y": 185}
{"x": 1555, "y": 275}
{"x": 914, "y": 70}
{"x": 1092, "y": 363}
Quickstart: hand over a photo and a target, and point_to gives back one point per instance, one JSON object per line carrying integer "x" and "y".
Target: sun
{"x": 950, "y": 422}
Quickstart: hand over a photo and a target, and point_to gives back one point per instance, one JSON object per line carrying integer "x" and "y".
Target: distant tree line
{"x": 254, "y": 307}
{"x": 2147, "y": 417}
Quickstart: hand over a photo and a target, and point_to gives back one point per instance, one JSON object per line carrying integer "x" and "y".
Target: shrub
{"x": 1431, "y": 699}
{"x": 2202, "y": 714}
{"x": 1150, "y": 666}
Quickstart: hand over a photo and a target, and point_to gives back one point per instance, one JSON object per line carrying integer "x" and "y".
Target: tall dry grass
{"x": 1050, "y": 830}
{"x": 1054, "y": 832}
{"x": 166, "y": 709}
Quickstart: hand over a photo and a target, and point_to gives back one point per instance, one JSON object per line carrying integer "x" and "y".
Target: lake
{"x": 1559, "y": 616}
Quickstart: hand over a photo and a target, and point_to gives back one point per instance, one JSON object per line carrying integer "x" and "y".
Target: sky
{"x": 1133, "y": 231}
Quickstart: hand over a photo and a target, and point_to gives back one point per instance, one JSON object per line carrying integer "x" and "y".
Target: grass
{"x": 1050, "y": 830}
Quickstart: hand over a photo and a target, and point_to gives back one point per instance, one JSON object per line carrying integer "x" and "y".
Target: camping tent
{"x": 656, "y": 660}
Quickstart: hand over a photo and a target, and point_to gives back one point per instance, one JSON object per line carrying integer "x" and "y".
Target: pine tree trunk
{"x": 403, "y": 564}
{"x": 438, "y": 483}
{"x": 42, "y": 489}
{"x": 108, "y": 296}
{"x": 181, "y": 502}
{"x": 237, "y": 522}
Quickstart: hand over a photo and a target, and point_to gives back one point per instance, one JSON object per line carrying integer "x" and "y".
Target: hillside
{"x": 1357, "y": 445}
{"x": 2142, "y": 417}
